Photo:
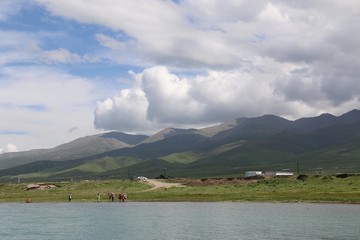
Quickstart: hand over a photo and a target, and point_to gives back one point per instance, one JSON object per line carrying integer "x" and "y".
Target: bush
{"x": 162, "y": 176}
{"x": 342, "y": 175}
{"x": 327, "y": 177}
{"x": 302, "y": 177}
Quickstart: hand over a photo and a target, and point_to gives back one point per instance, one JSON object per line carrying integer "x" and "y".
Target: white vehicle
{"x": 142, "y": 178}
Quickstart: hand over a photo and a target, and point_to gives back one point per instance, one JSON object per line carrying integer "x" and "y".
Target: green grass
{"x": 313, "y": 189}
{"x": 183, "y": 157}
{"x": 81, "y": 191}
{"x": 344, "y": 158}
{"x": 101, "y": 165}
{"x": 231, "y": 159}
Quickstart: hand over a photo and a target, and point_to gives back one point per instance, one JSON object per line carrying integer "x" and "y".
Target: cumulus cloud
{"x": 161, "y": 98}
{"x": 9, "y": 148}
{"x": 150, "y": 24}
{"x": 299, "y": 85}
{"x": 197, "y": 62}
{"x": 128, "y": 111}
{"x": 168, "y": 96}
{"x": 239, "y": 58}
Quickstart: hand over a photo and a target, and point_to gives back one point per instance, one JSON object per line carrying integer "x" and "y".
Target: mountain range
{"x": 325, "y": 143}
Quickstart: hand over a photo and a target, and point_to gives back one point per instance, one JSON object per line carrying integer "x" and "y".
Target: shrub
{"x": 302, "y": 177}
{"x": 342, "y": 175}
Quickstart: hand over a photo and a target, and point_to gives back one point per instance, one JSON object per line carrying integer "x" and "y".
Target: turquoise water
{"x": 53, "y": 221}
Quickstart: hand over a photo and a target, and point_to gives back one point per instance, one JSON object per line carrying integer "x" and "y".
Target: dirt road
{"x": 156, "y": 184}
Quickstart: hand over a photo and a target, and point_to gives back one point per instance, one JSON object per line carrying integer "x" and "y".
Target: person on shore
{"x": 69, "y": 197}
{"x": 98, "y": 197}
{"x": 120, "y": 197}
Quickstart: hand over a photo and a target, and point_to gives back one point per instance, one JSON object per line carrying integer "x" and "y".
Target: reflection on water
{"x": 179, "y": 221}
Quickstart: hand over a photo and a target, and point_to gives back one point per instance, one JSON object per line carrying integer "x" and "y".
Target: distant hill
{"x": 323, "y": 143}
{"x": 82, "y": 147}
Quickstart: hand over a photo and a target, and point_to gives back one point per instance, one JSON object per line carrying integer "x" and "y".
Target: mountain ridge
{"x": 80, "y": 147}
{"x": 268, "y": 141}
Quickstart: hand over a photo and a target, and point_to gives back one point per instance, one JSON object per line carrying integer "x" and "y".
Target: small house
{"x": 274, "y": 174}
{"x": 284, "y": 174}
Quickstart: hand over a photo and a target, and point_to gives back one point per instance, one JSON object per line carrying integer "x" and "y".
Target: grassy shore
{"x": 312, "y": 189}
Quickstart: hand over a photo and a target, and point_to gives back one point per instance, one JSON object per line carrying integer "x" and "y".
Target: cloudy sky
{"x": 72, "y": 68}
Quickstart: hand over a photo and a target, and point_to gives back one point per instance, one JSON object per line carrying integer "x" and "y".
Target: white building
{"x": 284, "y": 174}
{"x": 273, "y": 174}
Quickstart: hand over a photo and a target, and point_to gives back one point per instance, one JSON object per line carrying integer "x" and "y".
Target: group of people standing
{"x": 122, "y": 197}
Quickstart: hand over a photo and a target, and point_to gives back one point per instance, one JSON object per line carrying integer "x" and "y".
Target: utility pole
{"x": 297, "y": 167}
{"x": 165, "y": 172}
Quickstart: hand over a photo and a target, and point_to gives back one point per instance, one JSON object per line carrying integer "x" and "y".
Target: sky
{"x": 73, "y": 68}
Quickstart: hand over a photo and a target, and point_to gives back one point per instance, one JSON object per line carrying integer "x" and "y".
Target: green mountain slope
{"x": 325, "y": 143}
{"x": 79, "y": 148}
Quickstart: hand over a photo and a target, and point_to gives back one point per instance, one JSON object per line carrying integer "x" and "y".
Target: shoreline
{"x": 318, "y": 190}
{"x": 175, "y": 201}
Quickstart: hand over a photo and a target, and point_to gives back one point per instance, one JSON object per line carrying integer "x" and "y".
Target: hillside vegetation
{"x": 323, "y": 145}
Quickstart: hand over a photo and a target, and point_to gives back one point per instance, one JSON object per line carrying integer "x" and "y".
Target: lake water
{"x": 203, "y": 221}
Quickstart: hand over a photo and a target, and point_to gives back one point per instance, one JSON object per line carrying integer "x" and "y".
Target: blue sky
{"x": 73, "y": 68}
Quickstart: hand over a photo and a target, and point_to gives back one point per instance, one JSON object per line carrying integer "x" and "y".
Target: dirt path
{"x": 156, "y": 184}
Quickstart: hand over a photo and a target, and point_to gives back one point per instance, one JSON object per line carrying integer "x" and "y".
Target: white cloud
{"x": 9, "y": 7}
{"x": 299, "y": 85}
{"x": 150, "y": 24}
{"x": 207, "y": 35}
{"x": 23, "y": 47}
{"x": 127, "y": 110}
{"x": 39, "y": 105}
{"x": 60, "y": 56}
{"x": 110, "y": 42}
{"x": 218, "y": 60}
{"x": 272, "y": 14}
{"x": 161, "y": 98}
{"x": 119, "y": 51}
{"x": 9, "y": 148}
{"x": 168, "y": 97}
